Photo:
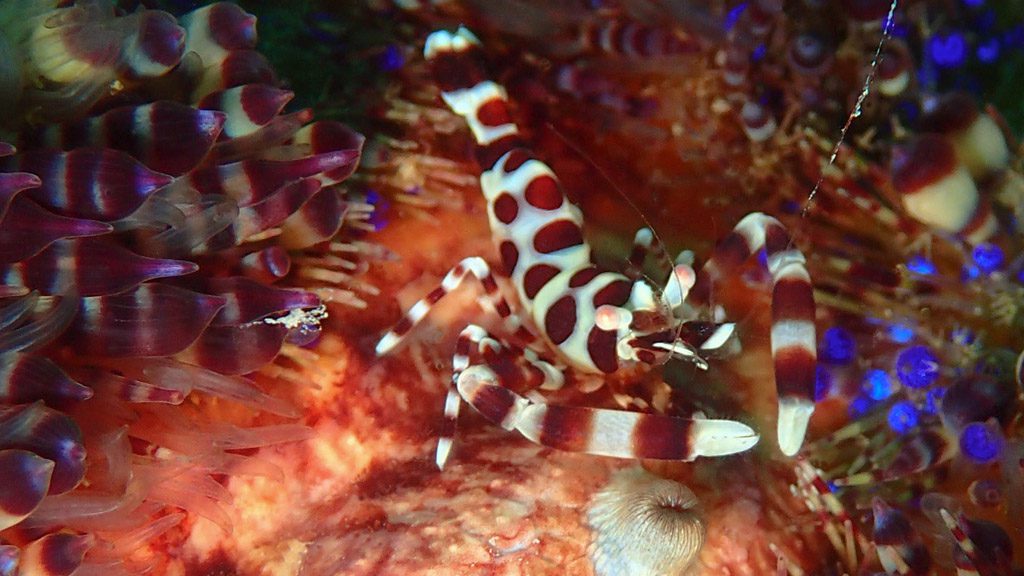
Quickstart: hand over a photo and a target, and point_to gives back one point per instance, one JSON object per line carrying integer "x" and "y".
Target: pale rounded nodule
{"x": 644, "y": 525}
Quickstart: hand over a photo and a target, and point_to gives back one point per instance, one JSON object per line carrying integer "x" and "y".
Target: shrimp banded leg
{"x": 492, "y": 390}
{"x": 491, "y": 297}
{"x": 522, "y": 368}
{"x": 793, "y": 337}
{"x": 645, "y": 247}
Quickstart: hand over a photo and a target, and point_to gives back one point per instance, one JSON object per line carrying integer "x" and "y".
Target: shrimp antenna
{"x": 855, "y": 112}
{"x": 646, "y": 222}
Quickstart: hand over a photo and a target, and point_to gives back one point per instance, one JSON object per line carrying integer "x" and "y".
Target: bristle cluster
{"x": 931, "y": 400}
{"x": 70, "y": 57}
{"x": 139, "y": 243}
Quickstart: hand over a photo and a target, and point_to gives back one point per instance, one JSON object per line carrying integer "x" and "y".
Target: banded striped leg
{"x": 983, "y": 548}
{"x": 599, "y": 431}
{"x": 644, "y": 247}
{"x": 793, "y": 337}
{"x": 522, "y": 369}
{"x": 491, "y": 297}
{"x": 922, "y": 451}
{"x": 900, "y": 549}
{"x": 836, "y": 522}
{"x": 966, "y": 561}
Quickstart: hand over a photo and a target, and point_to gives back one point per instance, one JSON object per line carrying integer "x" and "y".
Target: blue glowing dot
{"x": 901, "y": 333}
{"x": 967, "y": 83}
{"x": 378, "y": 218}
{"x": 860, "y": 405}
{"x": 9, "y": 562}
{"x": 877, "y": 384}
{"x": 822, "y": 383}
{"x": 973, "y": 3}
{"x": 378, "y": 222}
{"x": 970, "y": 272}
{"x": 759, "y": 53}
{"x": 933, "y": 400}
{"x": 948, "y": 50}
{"x": 988, "y": 52}
{"x": 921, "y": 265}
{"x": 927, "y": 75}
{"x": 908, "y": 111}
{"x": 985, "y": 21}
{"x": 733, "y": 16}
{"x": 962, "y": 336}
{"x": 1014, "y": 37}
{"x": 790, "y": 207}
{"x": 392, "y": 59}
{"x": 903, "y": 416}
{"x": 988, "y": 257}
{"x": 899, "y": 30}
{"x": 838, "y": 346}
{"x": 917, "y": 367}
{"x": 321, "y": 36}
{"x": 981, "y": 442}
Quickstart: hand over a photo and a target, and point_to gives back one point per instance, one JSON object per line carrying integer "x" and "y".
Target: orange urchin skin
{"x": 363, "y": 497}
{"x": 747, "y": 506}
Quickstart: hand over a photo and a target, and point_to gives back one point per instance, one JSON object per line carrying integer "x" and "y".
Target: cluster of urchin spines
{"x": 141, "y": 238}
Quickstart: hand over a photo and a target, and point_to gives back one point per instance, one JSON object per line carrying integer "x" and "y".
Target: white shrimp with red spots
{"x": 595, "y": 320}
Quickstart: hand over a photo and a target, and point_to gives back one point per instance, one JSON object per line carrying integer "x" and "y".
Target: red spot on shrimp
{"x": 601, "y": 348}
{"x": 494, "y": 112}
{"x": 509, "y": 256}
{"x": 536, "y": 277}
{"x": 584, "y": 276}
{"x": 558, "y": 235}
{"x": 543, "y": 192}
{"x": 516, "y": 158}
{"x": 560, "y": 320}
{"x": 615, "y": 293}
{"x": 506, "y": 208}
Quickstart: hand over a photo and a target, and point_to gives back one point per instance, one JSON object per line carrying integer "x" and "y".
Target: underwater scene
{"x": 512, "y": 287}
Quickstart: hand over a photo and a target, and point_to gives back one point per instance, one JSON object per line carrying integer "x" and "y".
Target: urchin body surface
{"x": 573, "y": 314}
